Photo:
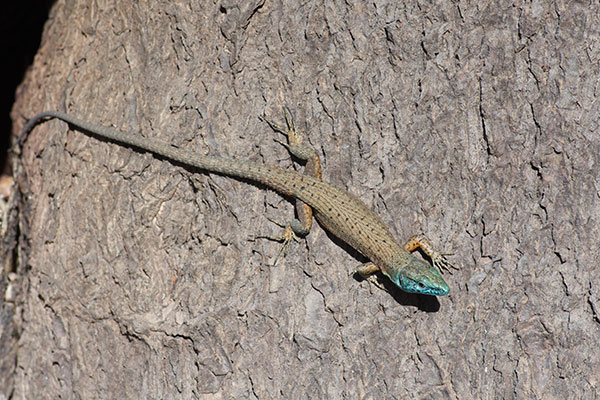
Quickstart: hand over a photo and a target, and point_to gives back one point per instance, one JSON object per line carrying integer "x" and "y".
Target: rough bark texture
{"x": 476, "y": 123}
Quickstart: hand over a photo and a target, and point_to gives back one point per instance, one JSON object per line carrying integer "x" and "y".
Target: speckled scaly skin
{"x": 338, "y": 211}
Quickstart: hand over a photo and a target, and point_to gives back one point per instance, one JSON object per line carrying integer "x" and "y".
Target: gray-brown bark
{"x": 476, "y": 123}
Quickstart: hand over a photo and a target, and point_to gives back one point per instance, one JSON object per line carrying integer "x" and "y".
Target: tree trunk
{"x": 476, "y": 124}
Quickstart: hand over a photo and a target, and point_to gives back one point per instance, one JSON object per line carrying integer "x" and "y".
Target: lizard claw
{"x": 289, "y": 121}
{"x": 285, "y": 238}
{"x": 276, "y": 127}
{"x": 372, "y": 279}
{"x": 281, "y": 142}
{"x": 441, "y": 263}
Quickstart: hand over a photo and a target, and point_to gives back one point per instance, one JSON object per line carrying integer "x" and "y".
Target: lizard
{"x": 339, "y": 212}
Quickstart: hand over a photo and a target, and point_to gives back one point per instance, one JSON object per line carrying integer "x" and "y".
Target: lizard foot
{"x": 295, "y": 146}
{"x": 372, "y": 279}
{"x": 289, "y": 121}
{"x": 438, "y": 259}
{"x": 286, "y": 238}
{"x": 440, "y": 262}
{"x": 367, "y": 271}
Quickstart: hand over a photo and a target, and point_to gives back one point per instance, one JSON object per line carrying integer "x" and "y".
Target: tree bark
{"x": 476, "y": 124}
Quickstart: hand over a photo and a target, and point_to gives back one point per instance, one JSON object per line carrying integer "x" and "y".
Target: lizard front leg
{"x": 422, "y": 242}
{"x": 367, "y": 271}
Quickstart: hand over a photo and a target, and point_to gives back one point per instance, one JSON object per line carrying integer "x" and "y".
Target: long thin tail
{"x": 271, "y": 176}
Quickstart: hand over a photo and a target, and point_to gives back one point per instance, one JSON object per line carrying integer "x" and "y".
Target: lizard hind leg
{"x": 300, "y": 226}
{"x": 304, "y": 152}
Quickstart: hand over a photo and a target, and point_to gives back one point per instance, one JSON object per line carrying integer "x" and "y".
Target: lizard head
{"x": 418, "y": 276}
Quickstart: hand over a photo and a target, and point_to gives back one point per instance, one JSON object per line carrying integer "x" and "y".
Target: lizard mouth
{"x": 421, "y": 288}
